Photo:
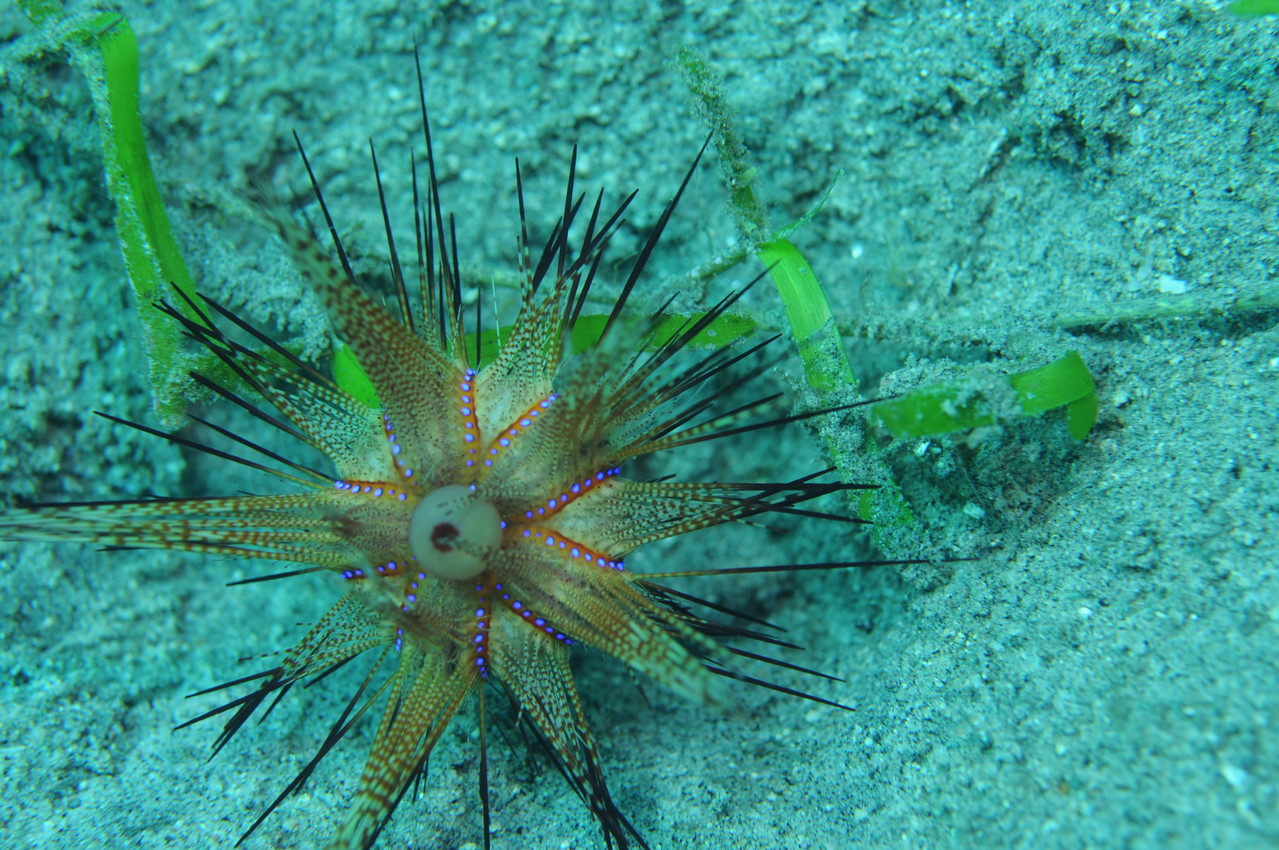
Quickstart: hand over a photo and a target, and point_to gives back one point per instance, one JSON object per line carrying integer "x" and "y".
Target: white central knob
{"x": 451, "y": 530}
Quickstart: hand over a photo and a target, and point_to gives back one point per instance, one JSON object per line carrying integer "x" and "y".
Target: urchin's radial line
{"x": 549, "y": 507}
{"x": 570, "y": 548}
{"x": 468, "y": 408}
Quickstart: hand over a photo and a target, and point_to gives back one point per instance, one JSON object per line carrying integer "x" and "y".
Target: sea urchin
{"x": 478, "y": 512}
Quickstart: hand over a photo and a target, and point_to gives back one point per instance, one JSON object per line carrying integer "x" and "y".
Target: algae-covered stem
{"x": 103, "y": 48}
{"x": 826, "y": 366}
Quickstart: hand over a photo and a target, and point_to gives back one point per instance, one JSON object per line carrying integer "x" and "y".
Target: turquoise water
{"x": 1014, "y": 177}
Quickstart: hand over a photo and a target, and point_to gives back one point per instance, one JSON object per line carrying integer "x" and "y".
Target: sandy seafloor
{"x": 1102, "y": 675}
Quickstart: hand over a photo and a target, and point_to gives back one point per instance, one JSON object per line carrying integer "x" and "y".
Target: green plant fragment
{"x": 724, "y": 330}
{"x": 152, "y": 257}
{"x": 351, "y": 377}
{"x": 808, "y": 311}
{"x": 1254, "y": 8}
{"x": 1057, "y": 384}
{"x": 1081, "y": 415}
{"x": 958, "y": 406}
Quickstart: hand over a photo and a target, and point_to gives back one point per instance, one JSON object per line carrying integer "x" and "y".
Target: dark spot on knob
{"x": 443, "y": 535}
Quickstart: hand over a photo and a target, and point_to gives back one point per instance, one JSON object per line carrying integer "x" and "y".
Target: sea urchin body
{"x": 478, "y": 512}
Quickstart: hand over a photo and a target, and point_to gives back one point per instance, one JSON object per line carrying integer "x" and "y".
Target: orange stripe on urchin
{"x": 479, "y": 514}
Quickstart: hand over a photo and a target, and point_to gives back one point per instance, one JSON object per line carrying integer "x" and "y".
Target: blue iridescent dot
{"x": 469, "y": 438}
{"x": 408, "y": 473}
{"x": 504, "y": 441}
{"x": 517, "y": 605}
{"x": 527, "y": 533}
{"x": 551, "y": 504}
{"x": 377, "y": 492}
{"x": 539, "y": 622}
{"x": 479, "y": 612}
{"x": 402, "y": 496}
{"x": 526, "y": 422}
{"x": 412, "y": 598}
{"x": 576, "y": 488}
